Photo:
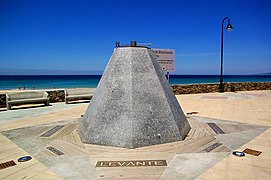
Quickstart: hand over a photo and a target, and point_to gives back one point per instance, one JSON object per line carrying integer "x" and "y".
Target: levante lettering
{"x": 131, "y": 163}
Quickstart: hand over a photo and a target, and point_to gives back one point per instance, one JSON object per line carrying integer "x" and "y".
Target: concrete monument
{"x": 133, "y": 105}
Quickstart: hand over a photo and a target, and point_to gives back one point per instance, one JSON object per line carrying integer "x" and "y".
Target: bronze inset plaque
{"x": 54, "y": 150}
{"x": 52, "y": 131}
{"x": 215, "y": 128}
{"x": 7, "y": 164}
{"x": 131, "y": 163}
{"x": 212, "y": 147}
{"x": 252, "y": 152}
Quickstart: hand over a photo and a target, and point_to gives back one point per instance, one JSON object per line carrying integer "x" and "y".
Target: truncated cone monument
{"x": 133, "y": 105}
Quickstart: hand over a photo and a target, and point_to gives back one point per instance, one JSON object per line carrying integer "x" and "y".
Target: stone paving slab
{"x": 32, "y": 110}
{"x": 183, "y": 166}
{"x": 246, "y": 108}
{"x": 63, "y": 152}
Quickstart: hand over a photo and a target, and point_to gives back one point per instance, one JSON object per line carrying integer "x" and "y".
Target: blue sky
{"x": 62, "y": 37}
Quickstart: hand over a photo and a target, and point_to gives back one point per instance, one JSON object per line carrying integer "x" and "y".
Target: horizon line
{"x": 102, "y": 74}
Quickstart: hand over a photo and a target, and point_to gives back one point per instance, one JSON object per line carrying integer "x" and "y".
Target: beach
{"x": 91, "y": 81}
{"x": 243, "y": 110}
{"x": 58, "y": 95}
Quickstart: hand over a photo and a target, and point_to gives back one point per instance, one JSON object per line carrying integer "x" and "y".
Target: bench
{"x": 78, "y": 93}
{"x": 26, "y": 97}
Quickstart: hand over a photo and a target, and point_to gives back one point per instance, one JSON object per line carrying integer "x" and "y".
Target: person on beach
{"x": 24, "y": 88}
{"x": 19, "y": 88}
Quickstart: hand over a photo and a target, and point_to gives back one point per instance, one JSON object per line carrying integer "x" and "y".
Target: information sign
{"x": 166, "y": 59}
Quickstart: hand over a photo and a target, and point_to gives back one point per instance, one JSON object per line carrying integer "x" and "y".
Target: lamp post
{"x": 228, "y": 28}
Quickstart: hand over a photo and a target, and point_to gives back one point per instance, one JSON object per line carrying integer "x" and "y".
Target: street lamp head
{"x": 229, "y": 27}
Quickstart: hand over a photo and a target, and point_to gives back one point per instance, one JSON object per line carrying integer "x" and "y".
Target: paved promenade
{"x": 221, "y": 123}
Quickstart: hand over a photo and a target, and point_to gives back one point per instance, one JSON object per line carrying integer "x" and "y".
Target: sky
{"x": 78, "y": 37}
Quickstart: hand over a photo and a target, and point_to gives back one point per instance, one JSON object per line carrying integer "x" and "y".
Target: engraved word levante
{"x": 131, "y": 163}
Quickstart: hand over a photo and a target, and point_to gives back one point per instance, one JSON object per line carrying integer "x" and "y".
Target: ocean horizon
{"x": 8, "y": 82}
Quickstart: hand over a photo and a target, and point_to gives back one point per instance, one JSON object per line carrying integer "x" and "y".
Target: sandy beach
{"x": 31, "y": 90}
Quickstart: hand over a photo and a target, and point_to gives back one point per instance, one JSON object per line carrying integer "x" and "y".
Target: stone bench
{"x": 78, "y": 93}
{"x": 26, "y": 97}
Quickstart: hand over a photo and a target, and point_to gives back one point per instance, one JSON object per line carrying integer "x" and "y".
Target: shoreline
{"x": 58, "y": 95}
{"x": 3, "y": 91}
{"x": 57, "y": 89}
{"x": 238, "y": 86}
{"x": 91, "y": 81}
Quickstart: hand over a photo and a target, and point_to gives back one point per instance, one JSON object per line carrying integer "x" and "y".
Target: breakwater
{"x": 58, "y": 95}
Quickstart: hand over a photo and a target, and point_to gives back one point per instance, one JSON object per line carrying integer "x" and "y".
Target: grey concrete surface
{"x": 78, "y": 162}
{"x": 30, "y": 111}
{"x": 133, "y": 105}
{"x": 235, "y": 140}
{"x": 71, "y": 167}
{"x": 190, "y": 166}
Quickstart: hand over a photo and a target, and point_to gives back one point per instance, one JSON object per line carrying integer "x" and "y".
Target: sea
{"x": 8, "y": 82}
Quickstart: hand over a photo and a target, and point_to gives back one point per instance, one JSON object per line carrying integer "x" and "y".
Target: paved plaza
{"x": 220, "y": 124}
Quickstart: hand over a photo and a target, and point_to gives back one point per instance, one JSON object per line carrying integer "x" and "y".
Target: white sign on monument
{"x": 166, "y": 59}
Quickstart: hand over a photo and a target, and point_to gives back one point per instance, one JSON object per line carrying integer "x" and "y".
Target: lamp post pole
{"x": 229, "y": 28}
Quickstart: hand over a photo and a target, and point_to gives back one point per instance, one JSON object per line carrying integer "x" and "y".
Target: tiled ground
{"x": 251, "y": 108}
